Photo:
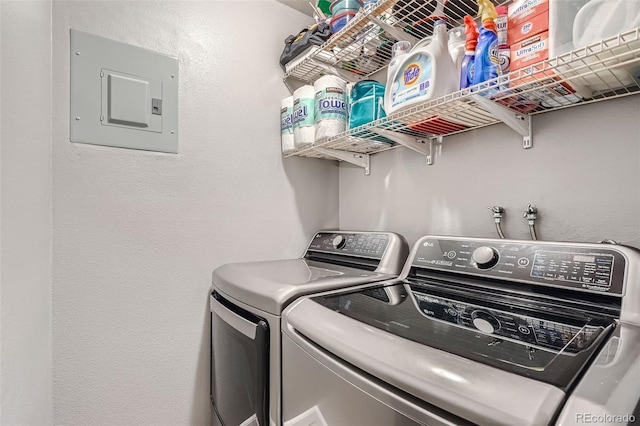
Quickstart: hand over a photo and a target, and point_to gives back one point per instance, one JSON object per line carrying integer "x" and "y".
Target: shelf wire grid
{"x": 364, "y": 47}
{"x": 604, "y": 70}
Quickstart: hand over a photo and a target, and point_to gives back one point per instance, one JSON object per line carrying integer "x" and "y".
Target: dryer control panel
{"x": 362, "y": 244}
{"x": 597, "y": 268}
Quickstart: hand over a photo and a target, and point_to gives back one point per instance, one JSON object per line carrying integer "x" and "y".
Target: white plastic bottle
{"x": 399, "y": 50}
{"x": 456, "y": 47}
{"x": 426, "y": 73}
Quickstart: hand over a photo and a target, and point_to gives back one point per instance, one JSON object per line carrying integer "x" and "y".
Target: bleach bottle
{"x": 425, "y": 73}
{"x": 487, "y": 61}
{"x": 456, "y": 46}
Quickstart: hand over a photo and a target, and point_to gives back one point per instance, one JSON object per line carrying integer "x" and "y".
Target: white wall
{"x": 583, "y": 174}
{"x": 137, "y": 234}
{"x": 25, "y": 213}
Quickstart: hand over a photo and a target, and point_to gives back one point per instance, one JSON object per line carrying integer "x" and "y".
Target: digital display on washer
{"x": 593, "y": 270}
{"x": 583, "y": 258}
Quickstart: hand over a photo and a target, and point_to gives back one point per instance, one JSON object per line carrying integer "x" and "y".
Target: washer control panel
{"x": 355, "y": 244}
{"x": 527, "y": 330}
{"x": 596, "y": 268}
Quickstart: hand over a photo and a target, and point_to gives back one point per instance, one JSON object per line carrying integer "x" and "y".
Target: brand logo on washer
{"x": 428, "y": 244}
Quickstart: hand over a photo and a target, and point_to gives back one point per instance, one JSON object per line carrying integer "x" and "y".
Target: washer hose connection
{"x": 497, "y": 217}
{"x": 531, "y": 214}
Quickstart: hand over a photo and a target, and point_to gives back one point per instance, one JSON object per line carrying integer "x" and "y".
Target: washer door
{"x": 239, "y": 364}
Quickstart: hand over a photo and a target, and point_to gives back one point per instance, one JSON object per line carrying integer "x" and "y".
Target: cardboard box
{"x": 524, "y": 10}
{"x": 529, "y": 51}
{"x": 555, "y": 92}
{"x": 523, "y": 29}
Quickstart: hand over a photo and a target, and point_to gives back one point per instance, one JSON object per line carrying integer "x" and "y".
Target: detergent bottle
{"x": 425, "y": 73}
{"x": 486, "y": 61}
{"x": 466, "y": 69}
{"x": 398, "y": 52}
{"x": 456, "y": 47}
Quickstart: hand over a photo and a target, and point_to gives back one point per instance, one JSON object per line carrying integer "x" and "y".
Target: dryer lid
{"x": 271, "y": 285}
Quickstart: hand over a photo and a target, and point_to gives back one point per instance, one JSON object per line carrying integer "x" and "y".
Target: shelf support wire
{"x": 360, "y": 160}
{"x": 345, "y": 75}
{"x": 519, "y": 123}
{"x": 394, "y": 32}
{"x": 422, "y": 146}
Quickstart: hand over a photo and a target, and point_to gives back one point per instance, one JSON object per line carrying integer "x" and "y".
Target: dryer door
{"x": 239, "y": 364}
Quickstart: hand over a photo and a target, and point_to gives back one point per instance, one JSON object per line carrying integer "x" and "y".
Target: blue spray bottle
{"x": 487, "y": 61}
{"x": 466, "y": 69}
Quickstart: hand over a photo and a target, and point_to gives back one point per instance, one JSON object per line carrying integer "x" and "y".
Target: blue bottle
{"x": 466, "y": 69}
{"x": 487, "y": 61}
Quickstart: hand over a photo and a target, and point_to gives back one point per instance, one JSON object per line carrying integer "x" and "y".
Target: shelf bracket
{"x": 519, "y": 123}
{"x": 438, "y": 139}
{"x": 422, "y": 146}
{"x": 360, "y": 160}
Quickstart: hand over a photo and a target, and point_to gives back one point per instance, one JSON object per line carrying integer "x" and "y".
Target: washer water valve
{"x": 531, "y": 214}
{"x": 497, "y": 217}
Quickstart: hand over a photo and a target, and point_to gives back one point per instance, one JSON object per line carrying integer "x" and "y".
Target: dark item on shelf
{"x": 294, "y": 46}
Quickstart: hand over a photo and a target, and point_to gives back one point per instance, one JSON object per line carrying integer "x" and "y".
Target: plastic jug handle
{"x": 425, "y": 41}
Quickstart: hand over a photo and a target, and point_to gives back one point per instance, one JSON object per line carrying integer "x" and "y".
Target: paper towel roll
{"x": 303, "y": 116}
{"x": 286, "y": 124}
{"x": 331, "y": 106}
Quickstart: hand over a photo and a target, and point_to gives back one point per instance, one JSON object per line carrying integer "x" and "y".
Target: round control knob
{"x": 485, "y": 257}
{"x": 485, "y": 322}
{"x": 339, "y": 242}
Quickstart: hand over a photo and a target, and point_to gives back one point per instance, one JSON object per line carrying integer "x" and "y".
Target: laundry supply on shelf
{"x": 456, "y": 47}
{"x": 330, "y": 106}
{"x": 486, "y": 61}
{"x": 426, "y": 72}
{"x": 303, "y": 116}
{"x": 468, "y": 62}
{"x": 365, "y": 103}
{"x": 503, "y": 42}
{"x": 286, "y": 124}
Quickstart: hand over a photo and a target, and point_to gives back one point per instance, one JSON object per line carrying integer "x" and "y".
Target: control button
{"x": 523, "y": 261}
{"x": 339, "y": 242}
{"x": 485, "y": 257}
{"x": 451, "y": 254}
{"x": 485, "y": 322}
{"x": 524, "y": 329}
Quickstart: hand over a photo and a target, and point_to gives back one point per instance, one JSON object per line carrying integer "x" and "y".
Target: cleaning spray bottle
{"x": 466, "y": 70}
{"x": 426, "y": 73}
{"x": 487, "y": 62}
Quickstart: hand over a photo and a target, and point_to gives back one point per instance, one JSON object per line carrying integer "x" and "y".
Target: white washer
{"x": 506, "y": 332}
{"x": 247, "y": 300}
